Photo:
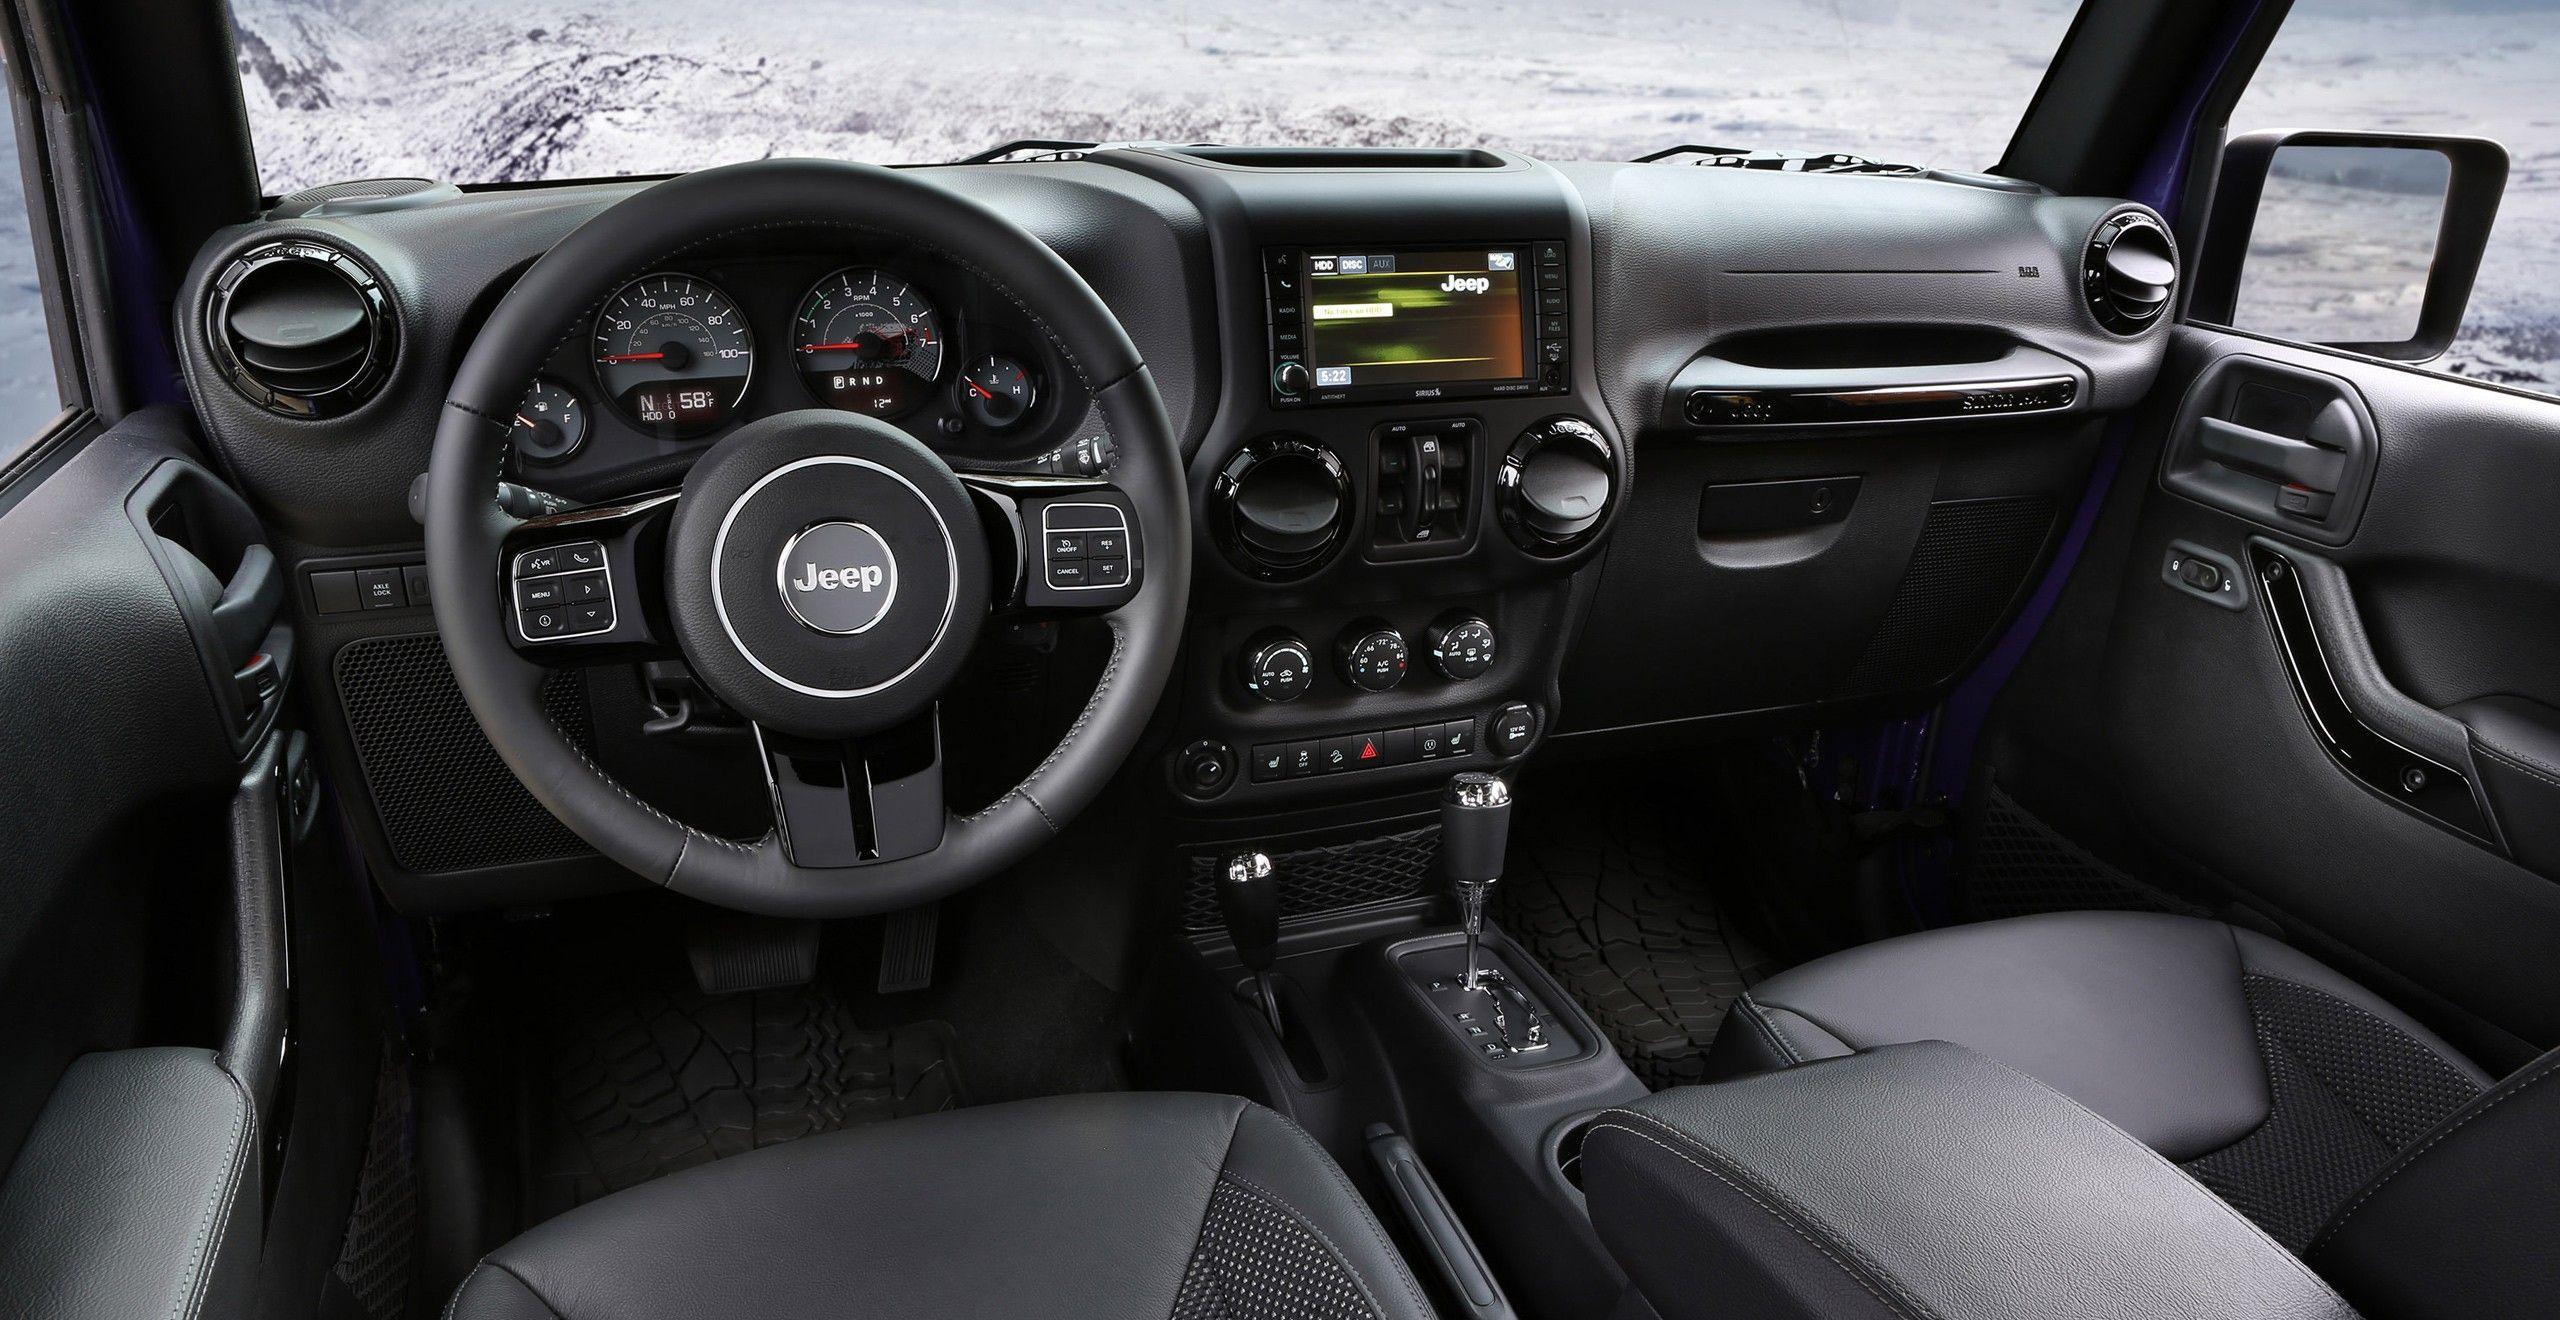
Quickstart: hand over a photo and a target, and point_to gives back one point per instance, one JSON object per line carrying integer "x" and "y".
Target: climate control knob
{"x": 1278, "y": 666}
{"x": 1372, "y": 656}
{"x": 1460, "y": 647}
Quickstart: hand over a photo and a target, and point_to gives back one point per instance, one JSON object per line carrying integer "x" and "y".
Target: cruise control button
{"x": 1067, "y": 573}
{"x": 1107, "y": 572}
{"x": 1066, "y": 545}
{"x": 1107, "y": 545}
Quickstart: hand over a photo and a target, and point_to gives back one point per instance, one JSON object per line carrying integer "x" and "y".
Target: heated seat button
{"x": 1270, "y": 762}
{"x": 1459, "y": 737}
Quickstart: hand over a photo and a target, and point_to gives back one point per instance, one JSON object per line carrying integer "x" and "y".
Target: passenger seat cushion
{"x": 2278, "y": 1082}
{"x": 1191, "y": 1206}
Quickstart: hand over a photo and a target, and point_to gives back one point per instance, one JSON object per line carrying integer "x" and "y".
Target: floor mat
{"x": 1609, "y": 894}
{"x": 631, "y": 1082}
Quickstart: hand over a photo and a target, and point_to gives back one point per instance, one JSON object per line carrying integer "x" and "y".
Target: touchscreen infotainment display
{"x": 1415, "y": 316}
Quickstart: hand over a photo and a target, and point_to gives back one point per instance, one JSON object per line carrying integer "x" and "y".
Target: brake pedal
{"x": 735, "y": 953}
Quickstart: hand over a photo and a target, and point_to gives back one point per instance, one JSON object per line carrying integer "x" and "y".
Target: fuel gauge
{"x": 550, "y": 424}
{"x": 997, "y": 392}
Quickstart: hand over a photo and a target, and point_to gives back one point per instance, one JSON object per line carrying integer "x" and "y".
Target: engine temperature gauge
{"x": 997, "y": 392}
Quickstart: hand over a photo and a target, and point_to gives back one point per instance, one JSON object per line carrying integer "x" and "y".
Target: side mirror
{"x": 2366, "y": 242}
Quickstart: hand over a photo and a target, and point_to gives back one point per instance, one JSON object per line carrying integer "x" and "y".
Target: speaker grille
{"x": 446, "y": 801}
{"x": 1333, "y": 878}
{"x": 1973, "y": 557}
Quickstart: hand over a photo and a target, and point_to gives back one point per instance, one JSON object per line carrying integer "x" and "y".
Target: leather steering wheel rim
{"x": 558, "y": 296}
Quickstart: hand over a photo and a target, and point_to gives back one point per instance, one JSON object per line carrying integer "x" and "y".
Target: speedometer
{"x": 673, "y": 353}
{"x": 866, "y": 341}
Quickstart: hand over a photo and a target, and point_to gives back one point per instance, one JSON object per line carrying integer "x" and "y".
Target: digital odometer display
{"x": 1415, "y": 317}
{"x": 673, "y": 353}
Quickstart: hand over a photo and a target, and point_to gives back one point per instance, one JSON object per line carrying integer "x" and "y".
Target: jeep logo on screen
{"x": 1466, "y": 284}
{"x": 838, "y": 577}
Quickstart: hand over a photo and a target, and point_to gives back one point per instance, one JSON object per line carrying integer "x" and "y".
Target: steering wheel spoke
{"x": 1061, "y": 546}
{"x": 859, "y": 802}
{"x": 587, "y": 586}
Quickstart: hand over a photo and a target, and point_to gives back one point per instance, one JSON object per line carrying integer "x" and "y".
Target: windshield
{"x": 487, "y": 91}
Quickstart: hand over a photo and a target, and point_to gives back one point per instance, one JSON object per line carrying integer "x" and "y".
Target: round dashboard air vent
{"x": 2131, "y": 273}
{"x": 301, "y": 329}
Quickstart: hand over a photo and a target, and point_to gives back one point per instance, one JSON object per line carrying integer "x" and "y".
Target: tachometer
{"x": 673, "y": 353}
{"x": 866, "y": 341}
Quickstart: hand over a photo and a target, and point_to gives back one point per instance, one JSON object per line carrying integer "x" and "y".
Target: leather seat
{"x": 1128, "y": 1205}
{"x": 2274, "y": 1080}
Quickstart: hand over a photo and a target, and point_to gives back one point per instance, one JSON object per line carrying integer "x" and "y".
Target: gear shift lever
{"x": 1249, "y": 900}
{"x": 1475, "y": 824}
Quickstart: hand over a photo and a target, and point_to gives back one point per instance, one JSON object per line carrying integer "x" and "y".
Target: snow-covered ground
{"x": 486, "y": 90}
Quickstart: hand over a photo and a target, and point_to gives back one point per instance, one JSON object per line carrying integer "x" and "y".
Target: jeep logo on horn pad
{"x": 838, "y": 577}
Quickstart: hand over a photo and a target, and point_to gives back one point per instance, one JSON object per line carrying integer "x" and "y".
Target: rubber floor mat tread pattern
{"x": 1604, "y": 892}
{"x": 641, "y": 1081}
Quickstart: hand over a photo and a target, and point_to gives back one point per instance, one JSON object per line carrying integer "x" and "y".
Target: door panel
{"x": 141, "y": 972}
{"x": 2438, "y": 624}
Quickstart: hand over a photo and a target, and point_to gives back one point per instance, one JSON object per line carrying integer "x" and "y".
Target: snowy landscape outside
{"x": 503, "y": 90}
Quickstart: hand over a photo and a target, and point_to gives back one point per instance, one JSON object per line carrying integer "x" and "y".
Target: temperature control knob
{"x": 1460, "y": 647}
{"x": 1278, "y": 666}
{"x": 1372, "y": 656}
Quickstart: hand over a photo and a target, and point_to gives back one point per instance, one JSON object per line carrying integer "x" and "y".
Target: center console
{"x": 1408, "y": 474}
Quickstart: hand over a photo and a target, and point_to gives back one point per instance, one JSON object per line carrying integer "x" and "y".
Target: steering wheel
{"x": 822, "y": 573}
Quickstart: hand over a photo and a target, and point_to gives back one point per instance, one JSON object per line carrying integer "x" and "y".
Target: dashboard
{"x": 1488, "y": 456}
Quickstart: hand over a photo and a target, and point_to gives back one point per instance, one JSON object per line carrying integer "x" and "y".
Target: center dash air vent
{"x": 301, "y": 328}
{"x": 2131, "y": 271}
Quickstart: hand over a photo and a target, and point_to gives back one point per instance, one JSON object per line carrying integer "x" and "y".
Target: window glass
{"x": 2342, "y": 244}
{"x": 2489, "y": 68}
{"x": 28, "y": 395}
{"x": 508, "y": 90}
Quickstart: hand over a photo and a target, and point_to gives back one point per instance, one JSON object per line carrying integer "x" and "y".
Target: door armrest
{"x": 136, "y": 1192}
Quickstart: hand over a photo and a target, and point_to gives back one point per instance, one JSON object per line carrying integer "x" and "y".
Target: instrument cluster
{"x": 674, "y": 359}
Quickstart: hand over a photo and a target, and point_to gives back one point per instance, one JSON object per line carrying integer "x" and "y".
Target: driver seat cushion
{"x": 2271, "y": 1078}
{"x": 1194, "y": 1207}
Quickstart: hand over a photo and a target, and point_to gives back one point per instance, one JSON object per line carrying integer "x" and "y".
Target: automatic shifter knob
{"x": 1249, "y": 899}
{"x": 1475, "y": 826}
